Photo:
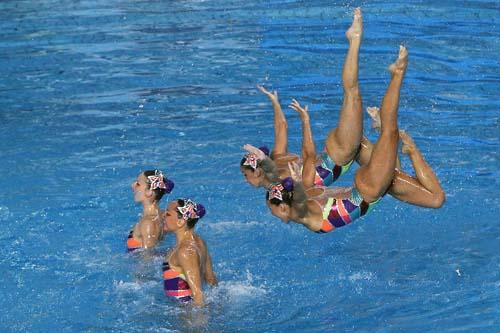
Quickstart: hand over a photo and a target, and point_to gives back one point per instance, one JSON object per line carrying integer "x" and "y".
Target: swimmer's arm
{"x": 190, "y": 264}
{"x": 308, "y": 147}
{"x": 209, "y": 273}
{"x": 147, "y": 233}
{"x": 280, "y": 125}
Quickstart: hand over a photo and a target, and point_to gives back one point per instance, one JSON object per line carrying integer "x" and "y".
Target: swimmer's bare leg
{"x": 424, "y": 190}
{"x": 280, "y": 125}
{"x": 374, "y": 113}
{"x": 342, "y": 142}
{"x": 373, "y": 179}
{"x": 407, "y": 188}
{"x": 404, "y": 187}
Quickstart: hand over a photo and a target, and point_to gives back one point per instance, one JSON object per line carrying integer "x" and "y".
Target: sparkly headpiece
{"x": 251, "y": 160}
{"x": 157, "y": 181}
{"x": 276, "y": 191}
{"x": 189, "y": 210}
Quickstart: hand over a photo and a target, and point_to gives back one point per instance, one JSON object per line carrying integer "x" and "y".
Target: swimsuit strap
{"x": 326, "y": 226}
{"x": 327, "y": 207}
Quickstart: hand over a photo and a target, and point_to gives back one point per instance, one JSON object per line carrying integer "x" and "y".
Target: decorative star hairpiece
{"x": 276, "y": 191}
{"x": 188, "y": 211}
{"x": 251, "y": 160}
{"x": 157, "y": 181}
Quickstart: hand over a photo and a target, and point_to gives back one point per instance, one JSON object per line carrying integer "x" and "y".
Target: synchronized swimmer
{"x": 149, "y": 187}
{"x": 322, "y": 209}
{"x": 188, "y": 264}
{"x": 344, "y": 144}
{"x": 298, "y": 188}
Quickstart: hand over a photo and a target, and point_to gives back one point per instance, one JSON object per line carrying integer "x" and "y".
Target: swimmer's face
{"x": 140, "y": 187}
{"x": 252, "y": 177}
{"x": 281, "y": 211}
{"x": 171, "y": 217}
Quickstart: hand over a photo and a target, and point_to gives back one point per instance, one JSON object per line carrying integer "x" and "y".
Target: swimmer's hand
{"x": 273, "y": 96}
{"x": 295, "y": 171}
{"x": 302, "y": 111}
{"x": 256, "y": 151}
{"x": 212, "y": 281}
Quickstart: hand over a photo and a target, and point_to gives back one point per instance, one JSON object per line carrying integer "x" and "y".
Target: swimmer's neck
{"x": 265, "y": 183}
{"x": 183, "y": 234}
{"x": 296, "y": 218}
{"x": 151, "y": 209}
{"x": 305, "y": 219}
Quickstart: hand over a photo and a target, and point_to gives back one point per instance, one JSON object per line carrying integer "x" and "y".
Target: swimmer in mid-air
{"x": 188, "y": 264}
{"x": 322, "y": 209}
{"x": 149, "y": 187}
{"x": 342, "y": 142}
{"x": 261, "y": 170}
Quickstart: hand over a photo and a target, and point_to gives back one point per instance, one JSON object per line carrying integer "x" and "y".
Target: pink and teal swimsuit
{"x": 328, "y": 172}
{"x": 337, "y": 212}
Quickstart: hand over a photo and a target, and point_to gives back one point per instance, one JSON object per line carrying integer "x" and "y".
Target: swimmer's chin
{"x": 253, "y": 185}
{"x": 137, "y": 198}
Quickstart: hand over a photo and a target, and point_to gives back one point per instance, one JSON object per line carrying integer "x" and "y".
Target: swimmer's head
{"x": 254, "y": 169}
{"x": 182, "y": 212}
{"x": 152, "y": 185}
{"x": 279, "y": 197}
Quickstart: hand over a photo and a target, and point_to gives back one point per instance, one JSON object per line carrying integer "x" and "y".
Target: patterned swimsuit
{"x": 175, "y": 284}
{"x": 328, "y": 172}
{"x": 338, "y": 212}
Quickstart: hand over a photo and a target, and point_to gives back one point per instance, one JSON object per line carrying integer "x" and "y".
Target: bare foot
{"x": 399, "y": 67}
{"x": 356, "y": 30}
{"x": 408, "y": 144}
{"x": 374, "y": 113}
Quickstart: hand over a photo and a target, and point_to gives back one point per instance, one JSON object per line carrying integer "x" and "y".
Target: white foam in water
{"x": 134, "y": 286}
{"x": 4, "y": 213}
{"x": 361, "y": 276}
{"x": 231, "y": 225}
{"x": 160, "y": 329}
{"x": 357, "y": 280}
{"x": 237, "y": 291}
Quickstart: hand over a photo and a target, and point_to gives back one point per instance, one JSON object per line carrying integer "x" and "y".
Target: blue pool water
{"x": 93, "y": 92}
